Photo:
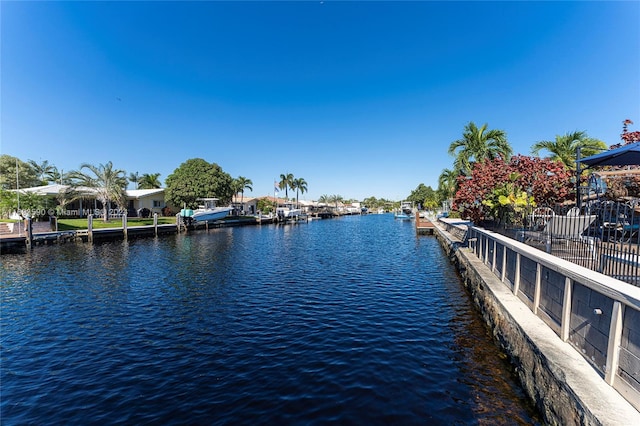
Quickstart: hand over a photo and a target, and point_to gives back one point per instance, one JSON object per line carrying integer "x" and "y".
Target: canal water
{"x": 345, "y": 321}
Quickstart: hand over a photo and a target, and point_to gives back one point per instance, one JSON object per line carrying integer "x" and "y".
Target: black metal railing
{"x": 601, "y": 235}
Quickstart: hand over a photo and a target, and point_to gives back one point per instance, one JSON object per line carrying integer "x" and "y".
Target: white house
{"x": 137, "y": 199}
{"x": 151, "y": 199}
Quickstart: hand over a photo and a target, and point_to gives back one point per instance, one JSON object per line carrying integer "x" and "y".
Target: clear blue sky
{"x": 358, "y": 98}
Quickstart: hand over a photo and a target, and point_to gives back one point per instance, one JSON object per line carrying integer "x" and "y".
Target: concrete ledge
{"x": 560, "y": 382}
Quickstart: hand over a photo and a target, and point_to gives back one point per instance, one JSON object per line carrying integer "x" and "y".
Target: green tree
{"x": 324, "y": 199}
{"x": 300, "y": 185}
{"x": 58, "y": 176}
{"x": 447, "y": 183}
{"x": 370, "y": 202}
{"x": 240, "y": 184}
{"x": 265, "y": 205}
{"x": 197, "y": 178}
{"x": 286, "y": 181}
{"x": 25, "y": 203}
{"x": 134, "y": 178}
{"x": 564, "y": 147}
{"x": 104, "y": 182}
{"x": 42, "y": 169}
{"x": 478, "y": 145}
{"x": 26, "y": 177}
{"x": 336, "y": 199}
{"x": 424, "y": 196}
{"x": 149, "y": 181}
{"x": 8, "y": 202}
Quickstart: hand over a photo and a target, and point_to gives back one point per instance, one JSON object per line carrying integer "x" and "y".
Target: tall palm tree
{"x": 564, "y": 147}
{"x": 134, "y": 178}
{"x": 477, "y": 145}
{"x": 337, "y": 199}
{"x": 324, "y": 199}
{"x": 447, "y": 182}
{"x": 148, "y": 181}
{"x": 103, "y": 182}
{"x": 240, "y": 184}
{"x": 42, "y": 169}
{"x": 285, "y": 183}
{"x": 300, "y": 185}
{"x": 57, "y": 176}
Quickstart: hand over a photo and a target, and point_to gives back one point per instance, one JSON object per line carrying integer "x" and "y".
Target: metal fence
{"x": 596, "y": 314}
{"x": 601, "y": 235}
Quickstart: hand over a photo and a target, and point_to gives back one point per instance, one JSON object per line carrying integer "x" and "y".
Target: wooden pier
{"x": 424, "y": 226}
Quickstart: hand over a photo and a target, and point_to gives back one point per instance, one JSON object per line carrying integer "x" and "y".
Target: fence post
{"x": 504, "y": 263}
{"x": 536, "y": 292}
{"x": 516, "y": 281}
{"x": 566, "y": 310}
{"x": 615, "y": 336}
{"x": 486, "y": 250}
{"x": 493, "y": 256}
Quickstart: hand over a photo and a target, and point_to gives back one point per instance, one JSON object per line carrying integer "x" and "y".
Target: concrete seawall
{"x": 556, "y": 377}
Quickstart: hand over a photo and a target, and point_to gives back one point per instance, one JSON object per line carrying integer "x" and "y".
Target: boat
{"x": 261, "y": 218}
{"x": 288, "y": 212}
{"x": 402, "y": 216}
{"x": 405, "y": 212}
{"x": 208, "y": 210}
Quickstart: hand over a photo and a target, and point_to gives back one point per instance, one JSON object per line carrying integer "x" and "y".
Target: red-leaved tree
{"x": 549, "y": 182}
{"x": 626, "y": 136}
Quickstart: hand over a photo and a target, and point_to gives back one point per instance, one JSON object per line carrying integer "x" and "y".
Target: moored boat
{"x": 405, "y": 212}
{"x": 208, "y": 211}
{"x": 288, "y": 212}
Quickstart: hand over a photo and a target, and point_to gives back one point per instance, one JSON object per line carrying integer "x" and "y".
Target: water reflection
{"x": 352, "y": 320}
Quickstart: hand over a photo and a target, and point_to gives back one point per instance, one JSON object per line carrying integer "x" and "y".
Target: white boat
{"x": 402, "y": 216}
{"x": 208, "y": 210}
{"x": 288, "y": 212}
{"x": 405, "y": 212}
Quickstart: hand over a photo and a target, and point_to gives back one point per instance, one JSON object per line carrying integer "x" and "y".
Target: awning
{"x": 626, "y": 155}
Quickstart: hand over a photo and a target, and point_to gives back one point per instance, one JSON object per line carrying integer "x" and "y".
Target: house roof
{"x": 54, "y": 189}
{"x": 141, "y": 193}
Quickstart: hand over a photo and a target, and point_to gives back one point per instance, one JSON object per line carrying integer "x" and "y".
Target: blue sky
{"x": 358, "y": 98}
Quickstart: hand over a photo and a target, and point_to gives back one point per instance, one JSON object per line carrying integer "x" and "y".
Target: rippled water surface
{"x": 351, "y": 321}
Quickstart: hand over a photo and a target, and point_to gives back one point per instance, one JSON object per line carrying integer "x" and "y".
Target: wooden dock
{"x": 424, "y": 226}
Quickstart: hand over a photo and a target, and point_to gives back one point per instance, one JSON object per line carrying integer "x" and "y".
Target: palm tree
{"x": 42, "y": 169}
{"x": 564, "y": 147}
{"x": 57, "y": 176}
{"x": 324, "y": 199}
{"x": 240, "y": 184}
{"x": 447, "y": 182}
{"x": 336, "y": 199}
{"x": 286, "y": 183}
{"x": 477, "y": 145}
{"x": 148, "y": 181}
{"x": 103, "y": 182}
{"x": 299, "y": 184}
{"x": 134, "y": 178}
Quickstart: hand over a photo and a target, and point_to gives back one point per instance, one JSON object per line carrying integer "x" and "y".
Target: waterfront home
{"x": 150, "y": 199}
{"x": 137, "y": 200}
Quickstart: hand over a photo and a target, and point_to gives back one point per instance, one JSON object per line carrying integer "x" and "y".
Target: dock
{"x": 424, "y": 226}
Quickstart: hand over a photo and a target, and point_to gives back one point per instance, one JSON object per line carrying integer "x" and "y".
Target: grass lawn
{"x": 74, "y": 224}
